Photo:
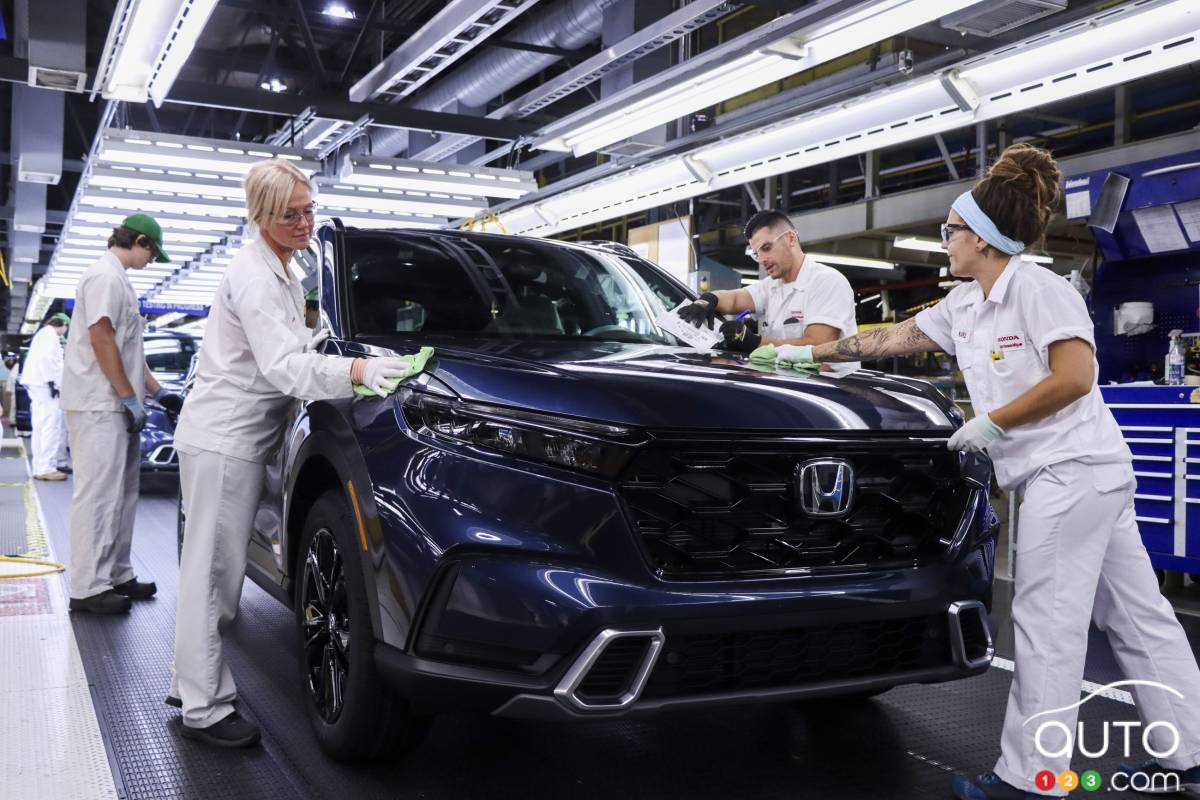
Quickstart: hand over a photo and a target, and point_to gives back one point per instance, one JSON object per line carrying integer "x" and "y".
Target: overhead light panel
{"x": 852, "y": 261}
{"x": 935, "y": 246}
{"x": 148, "y": 43}
{"x": 398, "y": 173}
{"x": 633, "y": 111}
{"x": 168, "y": 151}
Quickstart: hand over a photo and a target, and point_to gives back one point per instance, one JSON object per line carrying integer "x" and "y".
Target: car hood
{"x": 660, "y": 387}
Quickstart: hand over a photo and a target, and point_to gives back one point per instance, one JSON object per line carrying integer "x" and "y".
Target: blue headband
{"x": 983, "y": 226}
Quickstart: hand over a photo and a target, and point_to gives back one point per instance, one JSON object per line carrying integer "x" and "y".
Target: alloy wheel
{"x": 325, "y": 625}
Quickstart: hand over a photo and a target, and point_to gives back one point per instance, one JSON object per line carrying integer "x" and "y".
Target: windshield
{"x": 503, "y": 287}
{"x": 169, "y": 356}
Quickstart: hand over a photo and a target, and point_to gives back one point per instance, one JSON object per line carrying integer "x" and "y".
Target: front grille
{"x": 746, "y": 661}
{"x": 614, "y": 671}
{"x": 722, "y": 509}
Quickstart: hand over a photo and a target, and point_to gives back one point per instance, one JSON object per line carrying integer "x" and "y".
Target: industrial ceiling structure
{"x": 568, "y": 118}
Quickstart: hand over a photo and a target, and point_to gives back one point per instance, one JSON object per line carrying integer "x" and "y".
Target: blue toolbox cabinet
{"x": 1161, "y": 424}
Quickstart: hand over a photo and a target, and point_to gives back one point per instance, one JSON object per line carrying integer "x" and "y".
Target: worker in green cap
{"x": 42, "y": 378}
{"x": 105, "y": 377}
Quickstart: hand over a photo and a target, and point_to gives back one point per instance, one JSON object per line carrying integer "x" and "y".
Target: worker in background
{"x": 105, "y": 377}
{"x": 801, "y": 302}
{"x": 42, "y": 378}
{"x": 1025, "y": 344}
{"x": 255, "y": 362}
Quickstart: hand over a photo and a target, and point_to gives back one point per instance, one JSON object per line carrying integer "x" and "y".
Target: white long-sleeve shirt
{"x": 253, "y": 363}
{"x": 44, "y": 363}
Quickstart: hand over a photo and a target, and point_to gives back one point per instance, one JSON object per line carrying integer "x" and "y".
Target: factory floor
{"x": 82, "y": 713}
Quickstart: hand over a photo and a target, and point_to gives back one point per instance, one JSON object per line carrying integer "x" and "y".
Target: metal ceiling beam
{"x": 310, "y": 44}
{"x": 453, "y": 32}
{"x": 332, "y": 106}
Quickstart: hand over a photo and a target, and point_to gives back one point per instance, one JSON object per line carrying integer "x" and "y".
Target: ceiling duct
{"x": 51, "y": 36}
{"x": 569, "y": 26}
{"x": 998, "y": 16}
{"x": 37, "y": 137}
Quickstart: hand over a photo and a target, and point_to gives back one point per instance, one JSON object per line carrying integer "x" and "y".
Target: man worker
{"x": 105, "y": 377}
{"x": 802, "y": 301}
{"x": 42, "y": 378}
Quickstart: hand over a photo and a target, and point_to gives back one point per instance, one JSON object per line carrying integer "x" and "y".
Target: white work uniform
{"x": 44, "y": 366}
{"x": 1080, "y": 557}
{"x": 252, "y": 367}
{"x": 820, "y": 295}
{"x": 107, "y": 457}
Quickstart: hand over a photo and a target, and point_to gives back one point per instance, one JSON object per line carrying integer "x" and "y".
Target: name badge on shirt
{"x": 797, "y": 314}
{"x": 1009, "y": 344}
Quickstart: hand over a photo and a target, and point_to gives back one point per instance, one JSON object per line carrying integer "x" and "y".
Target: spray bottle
{"x": 1175, "y": 360}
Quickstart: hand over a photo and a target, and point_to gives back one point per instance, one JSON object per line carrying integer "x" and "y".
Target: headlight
{"x": 592, "y": 447}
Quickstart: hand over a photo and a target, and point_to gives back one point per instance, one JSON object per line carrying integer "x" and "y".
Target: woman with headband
{"x": 1024, "y": 342}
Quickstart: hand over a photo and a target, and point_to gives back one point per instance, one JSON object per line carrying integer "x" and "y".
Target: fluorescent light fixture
{"x": 339, "y": 11}
{"x": 1112, "y": 47}
{"x": 204, "y": 184}
{"x": 361, "y": 198}
{"x": 191, "y": 153}
{"x": 852, "y": 261}
{"x": 161, "y": 203}
{"x": 918, "y": 243}
{"x": 148, "y": 43}
{"x": 869, "y": 22}
{"x": 273, "y": 85}
{"x": 357, "y": 219}
{"x": 935, "y": 246}
{"x": 396, "y": 173}
{"x": 187, "y": 223}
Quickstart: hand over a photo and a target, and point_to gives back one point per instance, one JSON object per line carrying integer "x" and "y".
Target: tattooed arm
{"x": 897, "y": 340}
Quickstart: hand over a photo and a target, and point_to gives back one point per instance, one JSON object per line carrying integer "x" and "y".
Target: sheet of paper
{"x": 689, "y": 334}
{"x": 1189, "y": 214}
{"x": 1159, "y": 229}
{"x": 1079, "y": 205}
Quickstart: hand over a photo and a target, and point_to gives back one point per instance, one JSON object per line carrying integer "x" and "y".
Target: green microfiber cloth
{"x": 764, "y": 355}
{"x": 803, "y": 367}
{"x": 416, "y": 365}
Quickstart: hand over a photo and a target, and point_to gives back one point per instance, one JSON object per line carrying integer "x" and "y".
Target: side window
{"x": 408, "y": 286}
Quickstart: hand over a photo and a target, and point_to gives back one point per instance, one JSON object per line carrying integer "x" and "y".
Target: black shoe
{"x": 987, "y": 786}
{"x": 107, "y": 602}
{"x": 65, "y": 470}
{"x": 173, "y": 702}
{"x": 232, "y": 731}
{"x": 136, "y": 590}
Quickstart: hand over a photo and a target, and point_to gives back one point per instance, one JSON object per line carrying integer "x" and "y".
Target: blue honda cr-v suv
{"x": 570, "y": 516}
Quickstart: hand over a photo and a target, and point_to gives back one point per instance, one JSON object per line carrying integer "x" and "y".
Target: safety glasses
{"x": 756, "y": 255}
{"x": 948, "y": 229}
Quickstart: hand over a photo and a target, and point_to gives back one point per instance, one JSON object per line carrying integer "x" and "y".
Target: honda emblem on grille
{"x": 825, "y": 487}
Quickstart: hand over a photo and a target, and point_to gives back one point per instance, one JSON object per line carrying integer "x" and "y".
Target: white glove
{"x": 381, "y": 374}
{"x": 794, "y": 352}
{"x": 318, "y": 339}
{"x": 976, "y": 435}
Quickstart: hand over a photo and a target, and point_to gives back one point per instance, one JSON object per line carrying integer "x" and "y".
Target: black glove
{"x": 53, "y": 388}
{"x": 701, "y": 311}
{"x": 741, "y": 336}
{"x": 170, "y": 401}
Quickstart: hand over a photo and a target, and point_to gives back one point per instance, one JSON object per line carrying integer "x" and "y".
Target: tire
{"x": 352, "y": 714}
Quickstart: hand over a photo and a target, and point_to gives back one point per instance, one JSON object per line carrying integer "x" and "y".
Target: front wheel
{"x": 352, "y": 714}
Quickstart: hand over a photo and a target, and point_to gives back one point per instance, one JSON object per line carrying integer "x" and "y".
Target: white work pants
{"x": 220, "y": 498}
{"x": 49, "y": 441}
{"x": 1080, "y": 558}
{"x": 107, "y": 472}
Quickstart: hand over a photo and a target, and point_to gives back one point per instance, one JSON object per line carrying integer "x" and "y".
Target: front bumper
{"x": 551, "y": 641}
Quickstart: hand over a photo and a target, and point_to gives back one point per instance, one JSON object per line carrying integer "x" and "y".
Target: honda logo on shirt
{"x": 825, "y": 487}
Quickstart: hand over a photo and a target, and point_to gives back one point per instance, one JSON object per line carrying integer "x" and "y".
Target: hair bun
{"x": 1032, "y": 170}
